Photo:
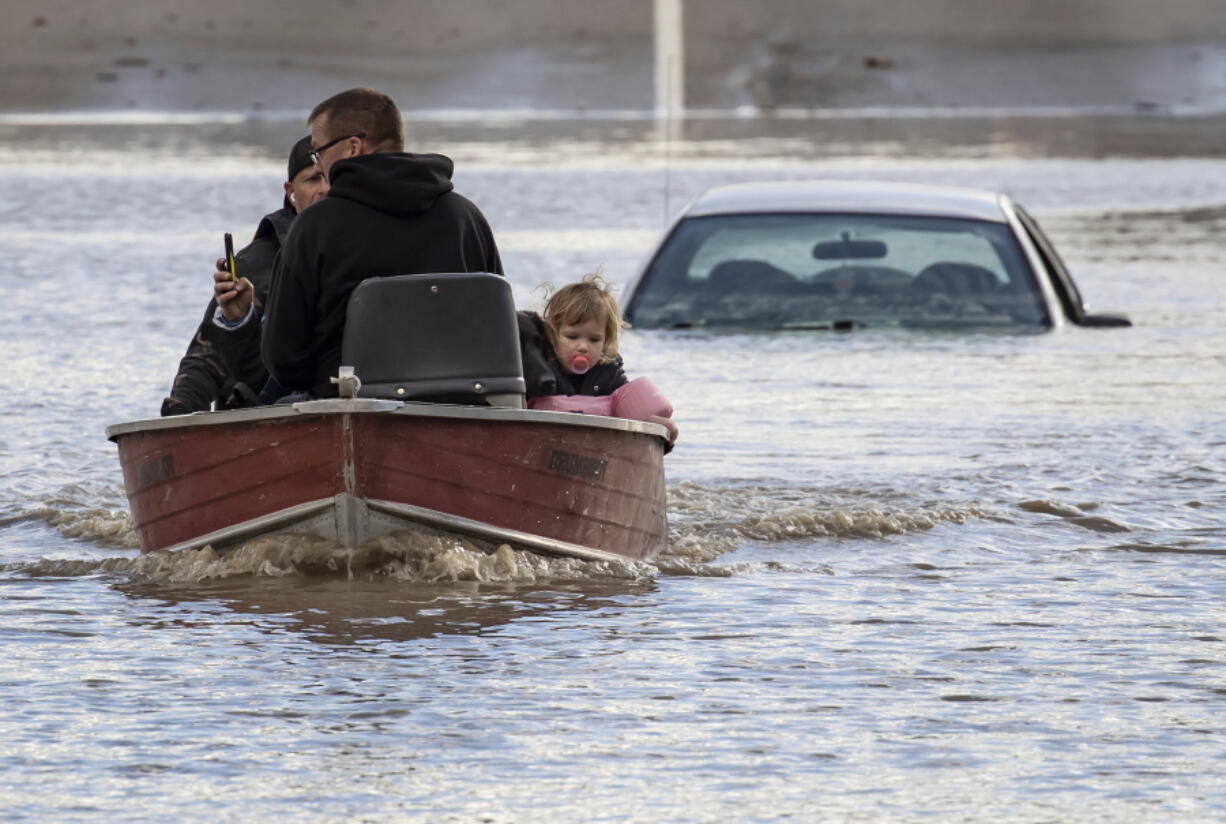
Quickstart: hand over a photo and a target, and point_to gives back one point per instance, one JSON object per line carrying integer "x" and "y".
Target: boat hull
{"x": 352, "y": 470}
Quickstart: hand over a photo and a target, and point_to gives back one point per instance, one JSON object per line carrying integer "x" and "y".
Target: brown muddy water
{"x": 910, "y": 576}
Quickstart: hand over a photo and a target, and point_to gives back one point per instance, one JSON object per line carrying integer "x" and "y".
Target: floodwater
{"x": 910, "y": 576}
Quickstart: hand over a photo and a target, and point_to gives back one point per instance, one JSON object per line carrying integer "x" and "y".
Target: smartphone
{"x": 230, "y": 265}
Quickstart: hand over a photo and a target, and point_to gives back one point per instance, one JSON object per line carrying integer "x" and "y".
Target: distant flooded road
{"x": 910, "y": 576}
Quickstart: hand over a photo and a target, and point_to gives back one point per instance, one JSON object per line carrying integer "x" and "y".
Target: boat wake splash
{"x": 405, "y": 556}
{"x": 706, "y": 522}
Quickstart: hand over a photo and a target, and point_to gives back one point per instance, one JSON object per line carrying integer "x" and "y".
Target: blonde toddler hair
{"x": 576, "y": 303}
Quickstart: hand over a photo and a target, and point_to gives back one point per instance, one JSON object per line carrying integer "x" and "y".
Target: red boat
{"x": 354, "y": 469}
{"x": 381, "y": 459}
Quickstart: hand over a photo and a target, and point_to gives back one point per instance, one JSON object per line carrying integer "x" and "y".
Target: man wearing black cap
{"x": 225, "y": 367}
{"x": 388, "y": 212}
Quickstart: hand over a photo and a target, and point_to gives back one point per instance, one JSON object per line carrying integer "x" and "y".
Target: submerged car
{"x": 847, "y": 254}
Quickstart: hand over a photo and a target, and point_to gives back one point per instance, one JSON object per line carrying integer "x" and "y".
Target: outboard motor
{"x": 446, "y": 338}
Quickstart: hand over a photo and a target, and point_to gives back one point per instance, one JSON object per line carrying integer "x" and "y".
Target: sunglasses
{"x": 317, "y": 151}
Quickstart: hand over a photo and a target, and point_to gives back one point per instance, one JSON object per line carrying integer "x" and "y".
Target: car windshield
{"x": 838, "y": 271}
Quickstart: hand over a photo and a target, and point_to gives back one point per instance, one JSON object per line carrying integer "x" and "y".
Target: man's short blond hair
{"x": 366, "y": 112}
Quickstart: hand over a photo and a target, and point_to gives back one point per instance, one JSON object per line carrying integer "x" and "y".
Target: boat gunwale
{"x": 373, "y": 406}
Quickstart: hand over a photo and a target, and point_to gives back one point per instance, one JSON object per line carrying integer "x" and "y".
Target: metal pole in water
{"x": 670, "y": 54}
{"x": 670, "y": 81}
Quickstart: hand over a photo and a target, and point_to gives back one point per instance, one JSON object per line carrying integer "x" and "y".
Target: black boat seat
{"x": 447, "y": 338}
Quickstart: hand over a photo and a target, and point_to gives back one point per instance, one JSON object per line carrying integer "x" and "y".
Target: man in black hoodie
{"x": 387, "y": 213}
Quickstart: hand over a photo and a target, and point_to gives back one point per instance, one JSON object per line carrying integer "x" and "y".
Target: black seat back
{"x": 450, "y": 338}
{"x": 750, "y": 276}
{"x": 956, "y": 278}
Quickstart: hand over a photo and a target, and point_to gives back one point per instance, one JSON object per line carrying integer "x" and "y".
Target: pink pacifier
{"x": 580, "y": 364}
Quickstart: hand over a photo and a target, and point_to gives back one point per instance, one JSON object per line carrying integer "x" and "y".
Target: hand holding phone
{"x": 231, "y": 267}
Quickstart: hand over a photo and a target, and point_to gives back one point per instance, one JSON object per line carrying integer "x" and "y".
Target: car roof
{"x": 849, "y": 196}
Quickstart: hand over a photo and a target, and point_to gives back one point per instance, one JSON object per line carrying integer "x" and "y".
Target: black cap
{"x": 299, "y": 157}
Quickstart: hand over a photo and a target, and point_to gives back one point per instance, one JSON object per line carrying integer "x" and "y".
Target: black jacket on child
{"x": 391, "y": 213}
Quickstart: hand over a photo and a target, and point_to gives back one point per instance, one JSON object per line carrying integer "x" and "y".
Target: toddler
{"x": 580, "y": 324}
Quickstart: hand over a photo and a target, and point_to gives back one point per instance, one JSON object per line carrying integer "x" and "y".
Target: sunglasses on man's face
{"x": 317, "y": 152}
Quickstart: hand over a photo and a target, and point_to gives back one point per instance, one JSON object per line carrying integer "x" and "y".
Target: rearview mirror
{"x": 848, "y": 249}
